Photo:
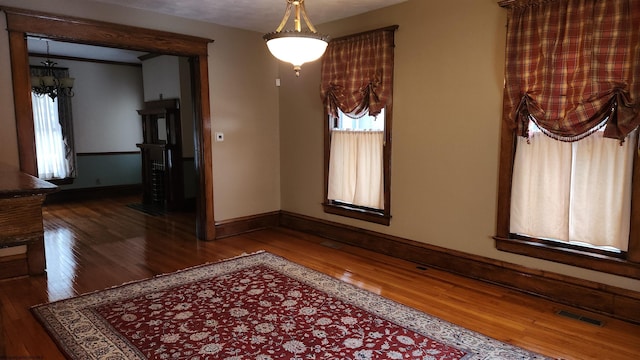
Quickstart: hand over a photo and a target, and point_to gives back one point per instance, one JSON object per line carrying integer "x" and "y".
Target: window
{"x": 356, "y": 88}
{"x": 363, "y": 123}
{"x": 53, "y": 132}
{"x": 569, "y": 173}
{"x": 573, "y": 193}
{"x": 355, "y": 163}
{"x": 50, "y": 148}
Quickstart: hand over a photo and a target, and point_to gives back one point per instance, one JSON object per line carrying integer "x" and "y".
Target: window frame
{"x": 383, "y": 216}
{"x": 625, "y": 264}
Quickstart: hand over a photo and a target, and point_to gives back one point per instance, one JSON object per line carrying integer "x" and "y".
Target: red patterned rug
{"x": 260, "y": 307}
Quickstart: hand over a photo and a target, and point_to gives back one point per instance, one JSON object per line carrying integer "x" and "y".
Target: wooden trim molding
{"x": 109, "y": 153}
{"x": 205, "y": 226}
{"x": 20, "y": 74}
{"x": 575, "y": 257}
{"x": 354, "y": 213}
{"x": 588, "y": 295}
{"x": 86, "y": 60}
{"x": 93, "y": 193}
{"x": 246, "y": 224}
{"x": 93, "y": 32}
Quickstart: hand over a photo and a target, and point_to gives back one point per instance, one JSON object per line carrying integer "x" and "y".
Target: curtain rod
{"x": 388, "y": 28}
{"x": 521, "y": 3}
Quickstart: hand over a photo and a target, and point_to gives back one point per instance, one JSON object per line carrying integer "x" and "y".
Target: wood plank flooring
{"x": 93, "y": 245}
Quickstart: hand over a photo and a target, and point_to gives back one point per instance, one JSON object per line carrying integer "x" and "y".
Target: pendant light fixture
{"x": 49, "y": 84}
{"x": 296, "y": 46}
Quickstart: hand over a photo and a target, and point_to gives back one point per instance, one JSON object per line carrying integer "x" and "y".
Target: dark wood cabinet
{"x": 161, "y": 150}
{"x": 21, "y": 227}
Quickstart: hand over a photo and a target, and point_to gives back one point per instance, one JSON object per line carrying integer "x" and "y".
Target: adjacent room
{"x": 436, "y": 180}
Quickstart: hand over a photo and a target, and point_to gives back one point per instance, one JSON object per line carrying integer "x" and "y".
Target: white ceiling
{"x": 256, "y": 15}
{"x": 57, "y": 48}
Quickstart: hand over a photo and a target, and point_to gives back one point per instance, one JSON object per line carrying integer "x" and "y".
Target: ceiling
{"x": 80, "y": 51}
{"x": 256, "y": 15}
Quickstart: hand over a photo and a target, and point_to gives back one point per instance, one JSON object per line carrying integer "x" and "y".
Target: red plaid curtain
{"x": 357, "y": 73}
{"x": 571, "y": 64}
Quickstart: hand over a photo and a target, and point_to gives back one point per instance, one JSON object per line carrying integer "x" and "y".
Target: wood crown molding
{"x": 75, "y": 29}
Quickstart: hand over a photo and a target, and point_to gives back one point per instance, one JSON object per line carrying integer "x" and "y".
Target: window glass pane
{"x": 363, "y": 123}
{"x": 50, "y": 147}
{"x": 573, "y": 192}
{"x": 356, "y": 162}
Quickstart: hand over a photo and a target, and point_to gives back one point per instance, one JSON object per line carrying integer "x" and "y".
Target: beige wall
{"x": 161, "y": 77}
{"x": 446, "y": 127}
{"x": 244, "y": 102}
{"x": 98, "y": 125}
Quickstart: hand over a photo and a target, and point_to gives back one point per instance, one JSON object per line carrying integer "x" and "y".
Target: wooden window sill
{"x": 585, "y": 259}
{"x": 356, "y": 213}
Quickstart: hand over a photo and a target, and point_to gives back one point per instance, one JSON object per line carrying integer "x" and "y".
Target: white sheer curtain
{"x": 50, "y": 147}
{"x": 573, "y": 191}
{"x": 355, "y": 168}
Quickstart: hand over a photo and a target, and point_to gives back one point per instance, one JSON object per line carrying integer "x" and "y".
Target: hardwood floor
{"x": 92, "y": 245}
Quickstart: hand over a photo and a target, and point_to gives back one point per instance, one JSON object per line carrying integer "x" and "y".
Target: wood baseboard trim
{"x": 246, "y": 224}
{"x": 612, "y": 301}
{"x": 13, "y": 266}
{"x": 93, "y": 193}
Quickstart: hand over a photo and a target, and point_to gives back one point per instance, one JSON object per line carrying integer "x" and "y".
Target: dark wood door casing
{"x": 22, "y": 23}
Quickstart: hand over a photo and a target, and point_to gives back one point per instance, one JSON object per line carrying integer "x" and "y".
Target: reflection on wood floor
{"x": 93, "y": 245}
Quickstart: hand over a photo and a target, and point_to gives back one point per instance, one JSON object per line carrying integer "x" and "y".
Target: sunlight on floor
{"x": 61, "y": 263}
{"x": 346, "y": 277}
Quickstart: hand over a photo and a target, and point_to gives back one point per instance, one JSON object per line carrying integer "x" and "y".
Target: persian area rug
{"x": 257, "y": 306}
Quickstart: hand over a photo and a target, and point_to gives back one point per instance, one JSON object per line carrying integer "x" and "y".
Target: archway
{"x": 23, "y": 23}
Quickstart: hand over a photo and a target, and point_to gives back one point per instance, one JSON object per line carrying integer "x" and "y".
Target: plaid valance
{"x": 357, "y": 73}
{"x": 571, "y": 64}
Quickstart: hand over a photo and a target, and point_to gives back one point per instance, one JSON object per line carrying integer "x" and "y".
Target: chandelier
{"x": 49, "y": 84}
{"x": 296, "y": 46}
